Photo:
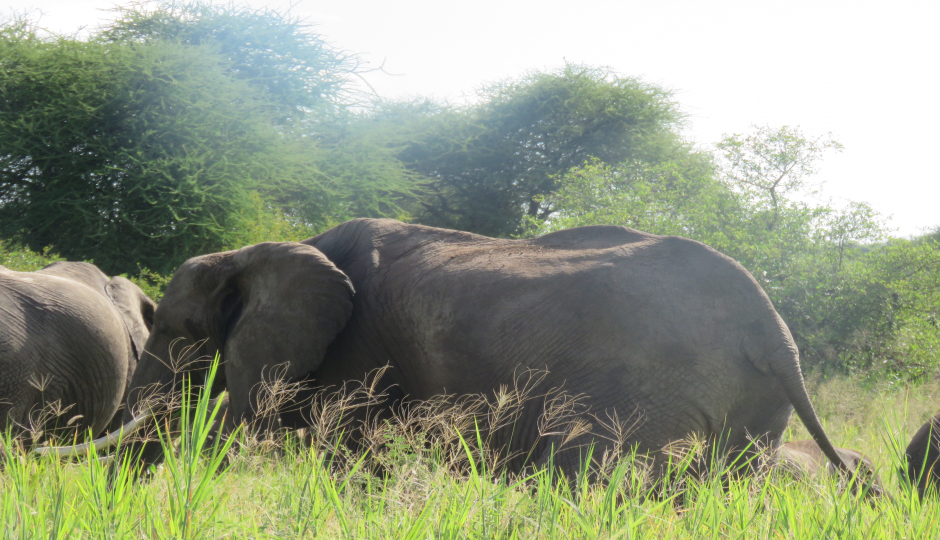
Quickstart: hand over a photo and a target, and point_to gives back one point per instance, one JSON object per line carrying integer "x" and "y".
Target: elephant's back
{"x": 78, "y": 272}
{"x": 641, "y": 289}
{"x": 38, "y": 304}
{"x": 625, "y": 287}
{"x": 63, "y": 341}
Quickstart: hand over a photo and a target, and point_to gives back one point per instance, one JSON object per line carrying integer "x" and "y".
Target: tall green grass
{"x": 232, "y": 489}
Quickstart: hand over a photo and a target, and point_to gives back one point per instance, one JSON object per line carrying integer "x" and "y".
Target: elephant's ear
{"x": 135, "y": 307}
{"x": 289, "y": 302}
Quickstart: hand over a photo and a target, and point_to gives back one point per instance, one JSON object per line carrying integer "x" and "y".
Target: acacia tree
{"x": 300, "y": 75}
{"x": 491, "y": 162}
{"x": 154, "y": 140}
{"x": 307, "y": 85}
{"x": 771, "y": 163}
{"x": 678, "y": 198}
{"x": 111, "y": 152}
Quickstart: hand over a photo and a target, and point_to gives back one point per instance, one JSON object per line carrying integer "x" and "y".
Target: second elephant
{"x": 70, "y": 339}
{"x": 923, "y": 458}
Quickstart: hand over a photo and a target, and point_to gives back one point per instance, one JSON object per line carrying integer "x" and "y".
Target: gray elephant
{"x": 665, "y": 332}
{"x": 922, "y": 458}
{"x": 804, "y": 459}
{"x": 70, "y": 338}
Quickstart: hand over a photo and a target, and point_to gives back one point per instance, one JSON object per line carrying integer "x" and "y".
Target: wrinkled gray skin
{"x": 657, "y": 328}
{"x": 804, "y": 459}
{"x": 71, "y": 334}
{"x": 923, "y": 458}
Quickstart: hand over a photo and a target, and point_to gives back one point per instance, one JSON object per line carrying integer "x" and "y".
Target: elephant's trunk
{"x": 98, "y": 444}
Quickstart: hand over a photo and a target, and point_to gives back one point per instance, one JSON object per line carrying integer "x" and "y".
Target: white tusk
{"x": 104, "y": 460}
{"x": 104, "y": 442}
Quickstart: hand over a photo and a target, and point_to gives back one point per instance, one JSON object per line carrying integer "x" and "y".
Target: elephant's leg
{"x": 250, "y": 402}
{"x": 20, "y": 401}
{"x": 645, "y": 472}
{"x": 585, "y": 454}
{"x": 762, "y": 431}
{"x": 667, "y": 447}
{"x": 40, "y": 414}
{"x": 13, "y": 415}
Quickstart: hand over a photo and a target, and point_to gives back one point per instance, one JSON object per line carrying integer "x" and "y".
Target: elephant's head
{"x": 262, "y": 306}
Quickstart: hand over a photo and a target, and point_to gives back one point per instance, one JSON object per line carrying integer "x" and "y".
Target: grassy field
{"x": 297, "y": 493}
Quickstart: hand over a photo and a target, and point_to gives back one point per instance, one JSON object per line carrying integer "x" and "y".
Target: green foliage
{"x": 489, "y": 163}
{"x": 267, "y": 223}
{"x": 666, "y": 199}
{"x": 25, "y": 260}
{"x": 361, "y": 175}
{"x": 334, "y": 167}
{"x": 149, "y": 142}
{"x": 770, "y": 163}
{"x": 909, "y": 271}
{"x": 847, "y": 298}
{"x": 152, "y": 283}
{"x": 300, "y": 74}
{"x": 106, "y": 157}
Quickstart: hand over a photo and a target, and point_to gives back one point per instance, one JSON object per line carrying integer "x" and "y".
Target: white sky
{"x": 866, "y": 71}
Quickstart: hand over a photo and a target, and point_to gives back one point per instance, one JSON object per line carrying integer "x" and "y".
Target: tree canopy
{"x": 298, "y": 72}
{"x": 150, "y": 142}
{"x": 490, "y": 162}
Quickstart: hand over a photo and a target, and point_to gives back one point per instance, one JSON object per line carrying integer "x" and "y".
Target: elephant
{"x": 923, "y": 458}
{"x": 69, "y": 342}
{"x": 804, "y": 459}
{"x": 661, "y": 332}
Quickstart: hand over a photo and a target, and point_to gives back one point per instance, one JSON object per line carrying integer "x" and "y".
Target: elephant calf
{"x": 804, "y": 459}
{"x": 70, "y": 337}
{"x": 923, "y": 457}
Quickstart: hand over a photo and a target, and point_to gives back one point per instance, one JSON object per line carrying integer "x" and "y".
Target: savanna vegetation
{"x": 427, "y": 475}
{"x": 183, "y": 128}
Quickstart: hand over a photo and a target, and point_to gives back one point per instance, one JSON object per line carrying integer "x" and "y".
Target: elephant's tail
{"x": 787, "y": 367}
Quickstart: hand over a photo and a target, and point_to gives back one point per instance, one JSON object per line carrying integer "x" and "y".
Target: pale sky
{"x": 865, "y": 71}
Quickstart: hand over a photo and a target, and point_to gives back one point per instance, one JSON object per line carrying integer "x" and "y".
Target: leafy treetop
{"x": 490, "y": 162}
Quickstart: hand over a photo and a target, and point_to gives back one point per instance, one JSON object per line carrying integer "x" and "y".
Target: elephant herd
{"x": 660, "y": 330}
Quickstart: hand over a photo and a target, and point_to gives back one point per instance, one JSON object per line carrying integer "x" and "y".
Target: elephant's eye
{"x": 194, "y": 331}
